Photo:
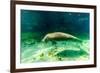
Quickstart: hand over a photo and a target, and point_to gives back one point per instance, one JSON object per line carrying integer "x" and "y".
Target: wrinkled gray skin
{"x": 59, "y": 35}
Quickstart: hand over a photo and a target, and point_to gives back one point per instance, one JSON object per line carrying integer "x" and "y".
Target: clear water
{"x": 36, "y": 24}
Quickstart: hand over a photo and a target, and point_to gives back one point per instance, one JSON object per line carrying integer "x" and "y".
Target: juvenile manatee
{"x": 59, "y": 36}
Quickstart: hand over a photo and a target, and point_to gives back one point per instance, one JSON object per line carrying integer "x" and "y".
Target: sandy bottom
{"x": 35, "y": 51}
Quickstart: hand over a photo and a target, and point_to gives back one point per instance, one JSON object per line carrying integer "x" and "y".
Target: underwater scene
{"x": 51, "y": 36}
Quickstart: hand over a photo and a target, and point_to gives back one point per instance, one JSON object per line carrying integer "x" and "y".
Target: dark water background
{"x": 43, "y": 22}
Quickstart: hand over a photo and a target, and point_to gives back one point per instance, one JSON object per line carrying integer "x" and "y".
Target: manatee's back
{"x": 59, "y": 36}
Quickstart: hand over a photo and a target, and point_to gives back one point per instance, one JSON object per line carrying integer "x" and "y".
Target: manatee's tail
{"x": 77, "y": 39}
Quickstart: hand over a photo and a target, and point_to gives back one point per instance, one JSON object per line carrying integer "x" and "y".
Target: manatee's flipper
{"x": 44, "y": 38}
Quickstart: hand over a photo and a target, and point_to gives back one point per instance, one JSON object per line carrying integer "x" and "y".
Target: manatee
{"x": 60, "y": 36}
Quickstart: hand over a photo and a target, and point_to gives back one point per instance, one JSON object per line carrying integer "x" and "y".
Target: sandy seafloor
{"x": 33, "y": 51}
